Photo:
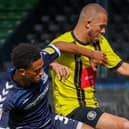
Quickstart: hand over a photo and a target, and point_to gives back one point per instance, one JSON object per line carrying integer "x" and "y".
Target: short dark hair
{"x": 24, "y": 54}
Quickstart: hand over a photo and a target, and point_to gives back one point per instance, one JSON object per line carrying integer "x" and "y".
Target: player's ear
{"x": 87, "y": 24}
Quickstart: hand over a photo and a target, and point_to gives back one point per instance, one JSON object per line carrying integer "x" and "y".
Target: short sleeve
{"x": 50, "y": 53}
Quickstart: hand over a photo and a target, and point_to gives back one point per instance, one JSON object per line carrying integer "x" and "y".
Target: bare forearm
{"x": 97, "y": 57}
{"x": 123, "y": 69}
{"x": 72, "y": 48}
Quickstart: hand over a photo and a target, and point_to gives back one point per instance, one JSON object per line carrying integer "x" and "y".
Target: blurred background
{"x": 39, "y": 21}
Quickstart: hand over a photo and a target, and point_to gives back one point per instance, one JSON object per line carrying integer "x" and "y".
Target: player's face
{"x": 35, "y": 72}
{"x": 97, "y": 28}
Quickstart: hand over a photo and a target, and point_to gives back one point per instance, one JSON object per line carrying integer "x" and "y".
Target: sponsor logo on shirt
{"x": 38, "y": 98}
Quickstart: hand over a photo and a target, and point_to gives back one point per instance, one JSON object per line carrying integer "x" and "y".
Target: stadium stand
{"x": 11, "y": 14}
{"x": 118, "y": 27}
{"x": 40, "y": 25}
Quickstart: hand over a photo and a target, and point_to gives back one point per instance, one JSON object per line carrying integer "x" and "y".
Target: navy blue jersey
{"x": 26, "y": 107}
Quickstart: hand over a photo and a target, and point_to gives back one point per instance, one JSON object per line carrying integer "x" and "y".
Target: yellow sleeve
{"x": 66, "y": 37}
{"x": 112, "y": 58}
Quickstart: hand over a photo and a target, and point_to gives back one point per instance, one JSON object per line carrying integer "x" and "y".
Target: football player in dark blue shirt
{"x": 24, "y": 91}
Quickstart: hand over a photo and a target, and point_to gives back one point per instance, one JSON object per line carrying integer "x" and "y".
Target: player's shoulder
{"x": 5, "y": 88}
{"x": 11, "y": 94}
{"x": 67, "y": 36}
{"x": 5, "y": 79}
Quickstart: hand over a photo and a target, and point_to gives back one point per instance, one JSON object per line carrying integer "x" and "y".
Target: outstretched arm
{"x": 96, "y": 57}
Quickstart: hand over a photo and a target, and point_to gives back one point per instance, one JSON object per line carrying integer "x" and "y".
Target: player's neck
{"x": 80, "y": 37}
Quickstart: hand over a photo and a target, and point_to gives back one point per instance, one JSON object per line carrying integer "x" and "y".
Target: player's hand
{"x": 93, "y": 64}
{"x": 98, "y": 58}
{"x": 62, "y": 71}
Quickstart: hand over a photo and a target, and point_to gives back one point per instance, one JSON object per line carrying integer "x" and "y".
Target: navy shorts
{"x": 87, "y": 115}
{"x": 61, "y": 122}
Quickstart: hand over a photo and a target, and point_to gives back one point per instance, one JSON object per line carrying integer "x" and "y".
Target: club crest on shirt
{"x": 91, "y": 115}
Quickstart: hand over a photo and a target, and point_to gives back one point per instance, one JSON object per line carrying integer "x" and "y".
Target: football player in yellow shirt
{"x": 75, "y": 97}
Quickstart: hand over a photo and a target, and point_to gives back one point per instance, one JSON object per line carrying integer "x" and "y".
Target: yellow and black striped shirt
{"x": 71, "y": 93}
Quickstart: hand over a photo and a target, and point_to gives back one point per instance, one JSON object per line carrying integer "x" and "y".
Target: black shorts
{"x": 87, "y": 115}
